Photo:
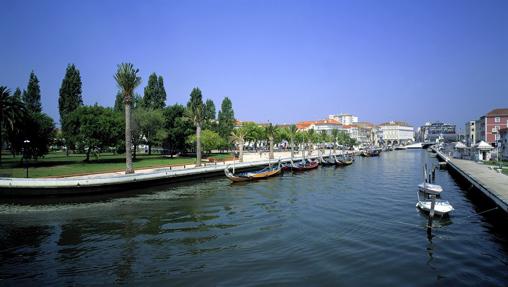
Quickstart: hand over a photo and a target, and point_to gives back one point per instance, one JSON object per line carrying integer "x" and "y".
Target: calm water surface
{"x": 332, "y": 226}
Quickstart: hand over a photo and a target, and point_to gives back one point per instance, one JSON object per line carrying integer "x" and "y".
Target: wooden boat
{"x": 370, "y": 152}
{"x": 253, "y": 175}
{"x": 344, "y": 161}
{"x": 301, "y": 166}
{"x": 330, "y": 161}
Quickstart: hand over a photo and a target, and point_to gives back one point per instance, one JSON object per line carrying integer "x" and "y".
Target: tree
{"x": 178, "y": 127}
{"x": 12, "y": 113}
{"x": 32, "y": 97}
{"x": 17, "y": 94}
{"x": 210, "y": 119}
{"x": 154, "y": 93}
{"x": 127, "y": 80}
{"x": 69, "y": 100}
{"x": 97, "y": 127}
{"x": 151, "y": 125}
{"x": 70, "y": 92}
{"x": 335, "y": 135}
{"x": 210, "y": 140}
{"x": 39, "y": 129}
{"x": 196, "y": 112}
{"x": 270, "y": 131}
{"x": 292, "y": 132}
{"x": 226, "y": 118}
{"x": 238, "y": 137}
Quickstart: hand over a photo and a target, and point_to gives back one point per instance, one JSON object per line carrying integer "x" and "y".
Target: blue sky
{"x": 279, "y": 61}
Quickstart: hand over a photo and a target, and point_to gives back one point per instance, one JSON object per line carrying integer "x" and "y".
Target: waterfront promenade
{"x": 118, "y": 181}
{"x": 490, "y": 182}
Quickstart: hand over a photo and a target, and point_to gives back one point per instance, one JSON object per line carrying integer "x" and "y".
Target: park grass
{"x": 57, "y": 164}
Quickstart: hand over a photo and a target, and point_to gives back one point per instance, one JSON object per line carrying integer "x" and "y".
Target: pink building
{"x": 488, "y": 126}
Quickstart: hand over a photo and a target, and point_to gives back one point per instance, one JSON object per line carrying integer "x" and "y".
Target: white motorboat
{"x": 441, "y": 207}
{"x": 415, "y": 146}
{"x": 429, "y": 188}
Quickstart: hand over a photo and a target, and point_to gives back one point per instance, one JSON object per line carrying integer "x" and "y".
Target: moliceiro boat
{"x": 371, "y": 152}
{"x": 302, "y": 166}
{"x": 253, "y": 175}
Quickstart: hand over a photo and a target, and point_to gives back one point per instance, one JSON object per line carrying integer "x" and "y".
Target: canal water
{"x": 351, "y": 226}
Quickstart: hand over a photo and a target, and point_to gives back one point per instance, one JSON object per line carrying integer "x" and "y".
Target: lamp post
{"x": 25, "y": 154}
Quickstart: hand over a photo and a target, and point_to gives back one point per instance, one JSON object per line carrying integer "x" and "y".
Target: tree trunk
{"x": 128, "y": 140}
{"x": 241, "y": 151}
{"x": 1, "y": 142}
{"x": 292, "y": 148}
{"x": 150, "y": 149}
{"x": 198, "y": 145}
{"x": 135, "y": 152}
{"x": 88, "y": 154}
{"x": 270, "y": 156}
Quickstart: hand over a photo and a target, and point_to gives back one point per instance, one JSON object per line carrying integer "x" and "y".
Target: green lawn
{"x": 57, "y": 164}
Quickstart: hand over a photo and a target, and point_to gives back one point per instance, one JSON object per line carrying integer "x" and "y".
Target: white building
{"x": 470, "y": 133}
{"x": 395, "y": 133}
{"x": 345, "y": 119}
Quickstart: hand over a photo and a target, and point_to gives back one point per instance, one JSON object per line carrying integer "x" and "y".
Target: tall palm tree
{"x": 196, "y": 111}
{"x": 270, "y": 131}
{"x": 335, "y": 135}
{"x": 238, "y": 136}
{"x": 292, "y": 135}
{"x": 12, "y": 110}
{"x": 127, "y": 80}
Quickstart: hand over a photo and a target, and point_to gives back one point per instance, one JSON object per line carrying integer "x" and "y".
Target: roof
{"x": 396, "y": 123}
{"x": 483, "y": 146}
{"x": 460, "y": 145}
{"x": 306, "y": 124}
{"x": 498, "y": 112}
{"x": 365, "y": 124}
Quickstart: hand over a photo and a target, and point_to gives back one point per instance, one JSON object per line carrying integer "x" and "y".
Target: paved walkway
{"x": 489, "y": 181}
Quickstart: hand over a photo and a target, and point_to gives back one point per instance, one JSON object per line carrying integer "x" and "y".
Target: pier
{"x": 491, "y": 183}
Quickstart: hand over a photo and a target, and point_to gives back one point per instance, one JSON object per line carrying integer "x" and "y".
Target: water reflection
{"x": 352, "y": 226}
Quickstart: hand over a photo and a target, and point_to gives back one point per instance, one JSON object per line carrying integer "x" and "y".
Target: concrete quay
{"x": 491, "y": 183}
{"x": 109, "y": 182}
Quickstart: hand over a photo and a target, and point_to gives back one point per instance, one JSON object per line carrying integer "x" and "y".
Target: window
{"x": 497, "y": 119}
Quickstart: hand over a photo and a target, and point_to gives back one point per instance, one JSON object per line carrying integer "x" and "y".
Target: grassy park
{"x": 58, "y": 164}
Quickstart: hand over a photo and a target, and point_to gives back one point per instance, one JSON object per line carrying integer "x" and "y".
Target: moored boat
{"x": 253, "y": 175}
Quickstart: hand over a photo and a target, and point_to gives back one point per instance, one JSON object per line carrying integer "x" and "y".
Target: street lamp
{"x": 25, "y": 154}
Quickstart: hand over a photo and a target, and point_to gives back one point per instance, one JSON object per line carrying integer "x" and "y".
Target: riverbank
{"x": 118, "y": 181}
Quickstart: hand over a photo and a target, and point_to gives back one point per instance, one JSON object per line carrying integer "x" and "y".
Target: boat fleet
{"x": 276, "y": 169}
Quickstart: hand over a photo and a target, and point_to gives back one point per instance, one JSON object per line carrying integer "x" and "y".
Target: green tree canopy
{"x": 154, "y": 93}
{"x": 210, "y": 140}
{"x": 151, "y": 125}
{"x": 32, "y": 97}
{"x": 97, "y": 127}
{"x": 70, "y": 92}
{"x": 226, "y": 118}
{"x": 178, "y": 128}
{"x": 196, "y": 112}
{"x": 12, "y": 114}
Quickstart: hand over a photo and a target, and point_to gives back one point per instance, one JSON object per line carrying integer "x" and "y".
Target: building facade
{"x": 470, "y": 131}
{"x": 503, "y": 143}
{"x": 487, "y": 127}
{"x": 395, "y": 133}
{"x": 430, "y": 132}
{"x": 345, "y": 119}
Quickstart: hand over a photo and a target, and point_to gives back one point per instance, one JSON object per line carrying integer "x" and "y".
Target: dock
{"x": 491, "y": 183}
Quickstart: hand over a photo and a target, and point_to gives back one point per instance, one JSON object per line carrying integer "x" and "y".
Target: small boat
{"x": 400, "y": 147}
{"x": 429, "y": 188}
{"x": 414, "y": 146}
{"x": 302, "y": 166}
{"x": 371, "y": 152}
{"x": 328, "y": 161}
{"x": 441, "y": 207}
{"x": 253, "y": 175}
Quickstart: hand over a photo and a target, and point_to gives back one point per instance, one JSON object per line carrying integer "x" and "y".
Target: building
{"x": 394, "y": 133}
{"x": 318, "y": 126}
{"x": 488, "y": 126}
{"x": 470, "y": 131}
{"x": 430, "y": 132}
{"x": 503, "y": 144}
{"x": 345, "y": 119}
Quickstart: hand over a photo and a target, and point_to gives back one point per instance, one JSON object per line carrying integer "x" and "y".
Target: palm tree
{"x": 270, "y": 131}
{"x": 127, "y": 80}
{"x": 238, "y": 136}
{"x": 335, "y": 134}
{"x": 196, "y": 111}
{"x": 292, "y": 135}
{"x": 12, "y": 110}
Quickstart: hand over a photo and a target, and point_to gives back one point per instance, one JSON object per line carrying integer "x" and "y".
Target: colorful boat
{"x": 253, "y": 175}
{"x": 307, "y": 165}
